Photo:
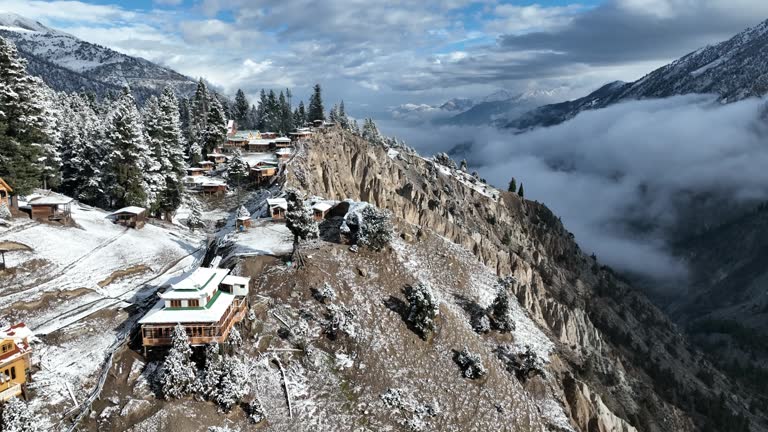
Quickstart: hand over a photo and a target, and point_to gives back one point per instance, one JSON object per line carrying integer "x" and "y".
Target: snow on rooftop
{"x": 201, "y": 277}
{"x": 322, "y": 206}
{"x": 277, "y": 202}
{"x": 51, "y": 200}
{"x": 130, "y": 210}
{"x": 18, "y": 331}
{"x": 161, "y": 315}
{"x": 236, "y": 280}
{"x": 282, "y": 140}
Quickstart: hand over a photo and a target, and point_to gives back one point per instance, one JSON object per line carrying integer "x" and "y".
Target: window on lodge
{"x": 194, "y": 303}
{"x": 175, "y": 303}
{"x": 13, "y": 372}
{"x": 6, "y": 347}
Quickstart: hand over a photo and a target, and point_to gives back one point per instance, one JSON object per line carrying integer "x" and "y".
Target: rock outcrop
{"x": 623, "y": 366}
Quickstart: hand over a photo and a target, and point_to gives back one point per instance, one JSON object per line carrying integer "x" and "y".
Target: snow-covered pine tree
{"x": 128, "y": 155}
{"x": 216, "y": 126}
{"x": 333, "y": 114}
{"x": 261, "y": 111}
{"x": 243, "y": 212}
{"x": 21, "y": 122}
{"x": 470, "y": 363}
{"x": 316, "y": 110}
{"x": 240, "y": 110}
{"x": 5, "y": 213}
{"x": 198, "y": 111}
{"x": 423, "y": 307}
{"x": 500, "y": 309}
{"x": 212, "y": 372}
{"x": 286, "y": 118}
{"x": 300, "y": 116}
{"x": 18, "y": 417}
{"x": 375, "y": 231}
{"x": 298, "y": 219}
{"x": 234, "y": 339}
{"x": 173, "y": 152}
{"x": 237, "y": 170}
{"x": 343, "y": 119}
{"x": 370, "y": 132}
{"x": 50, "y": 102}
{"x": 179, "y": 373}
{"x": 195, "y": 219}
{"x": 234, "y": 384}
{"x": 158, "y": 163}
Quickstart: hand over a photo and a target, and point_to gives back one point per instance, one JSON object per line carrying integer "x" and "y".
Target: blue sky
{"x": 377, "y": 55}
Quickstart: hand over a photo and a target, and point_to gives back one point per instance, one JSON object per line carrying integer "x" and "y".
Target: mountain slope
{"x": 733, "y": 70}
{"x": 611, "y": 341}
{"x": 67, "y": 63}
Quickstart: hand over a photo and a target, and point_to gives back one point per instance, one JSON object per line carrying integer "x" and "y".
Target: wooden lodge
{"x": 300, "y": 135}
{"x": 320, "y": 210}
{"x": 277, "y": 208}
{"x": 51, "y": 208}
{"x": 268, "y": 135}
{"x": 207, "y": 303}
{"x": 283, "y": 154}
{"x": 15, "y": 360}
{"x": 5, "y": 194}
{"x": 263, "y": 171}
{"x": 193, "y": 172}
{"x": 282, "y": 142}
{"x": 213, "y": 188}
{"x": 130, "y": 217}
{"x": 217, "y": 158}
{"x": 260, "y": 145}
{"x": 207, "y": 166}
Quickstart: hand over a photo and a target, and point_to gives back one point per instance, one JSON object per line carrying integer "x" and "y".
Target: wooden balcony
{"x": 198, "y": 333}
{"x": 14, "y": 390}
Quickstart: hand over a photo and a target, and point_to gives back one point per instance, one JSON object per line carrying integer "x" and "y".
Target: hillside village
{"x": 199, "y": 265}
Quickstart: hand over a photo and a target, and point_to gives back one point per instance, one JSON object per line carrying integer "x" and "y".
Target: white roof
{"x": 215, "y": 154}
{"x": 260, "y": 141}
{"x": 283, "y": 139}
{"x": 17, "y": 332}
{"x": 278, "y": 202}
{"x": 212, "y": 183}
{"x": 322, "y": 206}
{"x": 283, "y": 151}
{"x": 205, "y": 162}
{"x": 131, "y": 210}
{"x": 196, "y": 283}
{"x": 50, "y": 200}
{"x": 194, "y": 169}
{"x": 160, "y": 315}
{"x": 236, "y": 280}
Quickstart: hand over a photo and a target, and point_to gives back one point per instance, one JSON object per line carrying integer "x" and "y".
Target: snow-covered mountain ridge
{"x": 67, "y": 63}
{"x": 733, "y": 70}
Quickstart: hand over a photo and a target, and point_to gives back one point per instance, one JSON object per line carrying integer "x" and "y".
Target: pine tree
{"x": 234, "y": 384}
{"x": 299, "y": 220}
{"x": 179, "y": 373}
{"x": 375, "y": 231}
{"x": 216, "y": 127}
{"x": 195, "y": 219}
{"x": 234, "y": 339}
{"x": 521, "y": 191}
{"x": 371, "y": 132}
{"x": 238, "y": 170}
{"x": 470, "y": 364}
{"x": 212, "y": 372}
{"x": 158, "y": 164}
{"x": 500, "y": 309}
{"x": 512, "y": 185}
{"x": 272, "y": 113}
{"x": 261, "y": 123}
{"x": 343, "y": 119}
{"x": 198, "y": 121}
{"x": 18, "y": 417}
{"x": 82, "y": 150}
{"x": 128, "y": 154}
{"x": 333, "y": 115}
{"x": 463, "y": 165}
{"x": 302, "y": 116}
{"x": 5, "y": 213}
{"x": 286, "y": 117}
{"x": 173, "y": 152}
{"x": 241, "y": 109}
{"x": 21, "y": 122}
{"x": 253, "y": 117}
{"x": 316, "y": 109}
{"x": 422, "y": 308}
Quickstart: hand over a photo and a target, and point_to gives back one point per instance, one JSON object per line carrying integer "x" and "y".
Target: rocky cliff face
{"x": 620, "y": 364}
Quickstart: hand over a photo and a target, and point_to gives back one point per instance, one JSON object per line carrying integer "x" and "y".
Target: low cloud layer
{"x": 618, "y": 176}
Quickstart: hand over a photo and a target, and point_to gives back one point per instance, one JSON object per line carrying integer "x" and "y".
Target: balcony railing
{"x": 10, "y": 392}
{"x": 199, "y": 334}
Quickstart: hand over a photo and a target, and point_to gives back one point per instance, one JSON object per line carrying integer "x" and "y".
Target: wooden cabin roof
{"x": 4, "y": 185}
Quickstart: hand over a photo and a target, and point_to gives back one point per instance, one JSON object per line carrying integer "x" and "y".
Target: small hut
{"x": 5, "y": 193}
{"x": 283, "y": 154}
{"x": 243, "y": 220}
{"x": 213, "y": 188}
{"x": 130, "y": 217}
{"x": 320, "y": 210}
{"x": 207, "y": 166}
{"x": 193, "y": 172}
{"x": 51, "y": 208}
{"x": 283, "y": 142}
{"x": 217, "y": 158}
{"x": 277, "y": 208}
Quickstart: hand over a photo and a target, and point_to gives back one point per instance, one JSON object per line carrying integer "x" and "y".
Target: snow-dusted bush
{"x": 234, "y": 339}
{"x": 340, "y": 320}
{"x": 500, "y": 310}
{"x": 18, "y": 417}
{"x": 255, "y": 411}
{"x": 481, "y": 323}
{"x": 243, "y": 212}
{"x": 524, "y": 365}
{"x": 416, "y": 413}
{"x": 5, "y": 213}
{"x": 445, "y": 160}
{"x": 209, "y": 382}
{"x": 298, "y": 217}
{"x": 375, "y": 230}
{"x": 470, "y": 364}
{"x": 179, "y": 373}
{"x": 423, "y": 307}
{"x": 326, "y": 293}
{"x": 234, "y": 383}
{"x": 195, "y": 219}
